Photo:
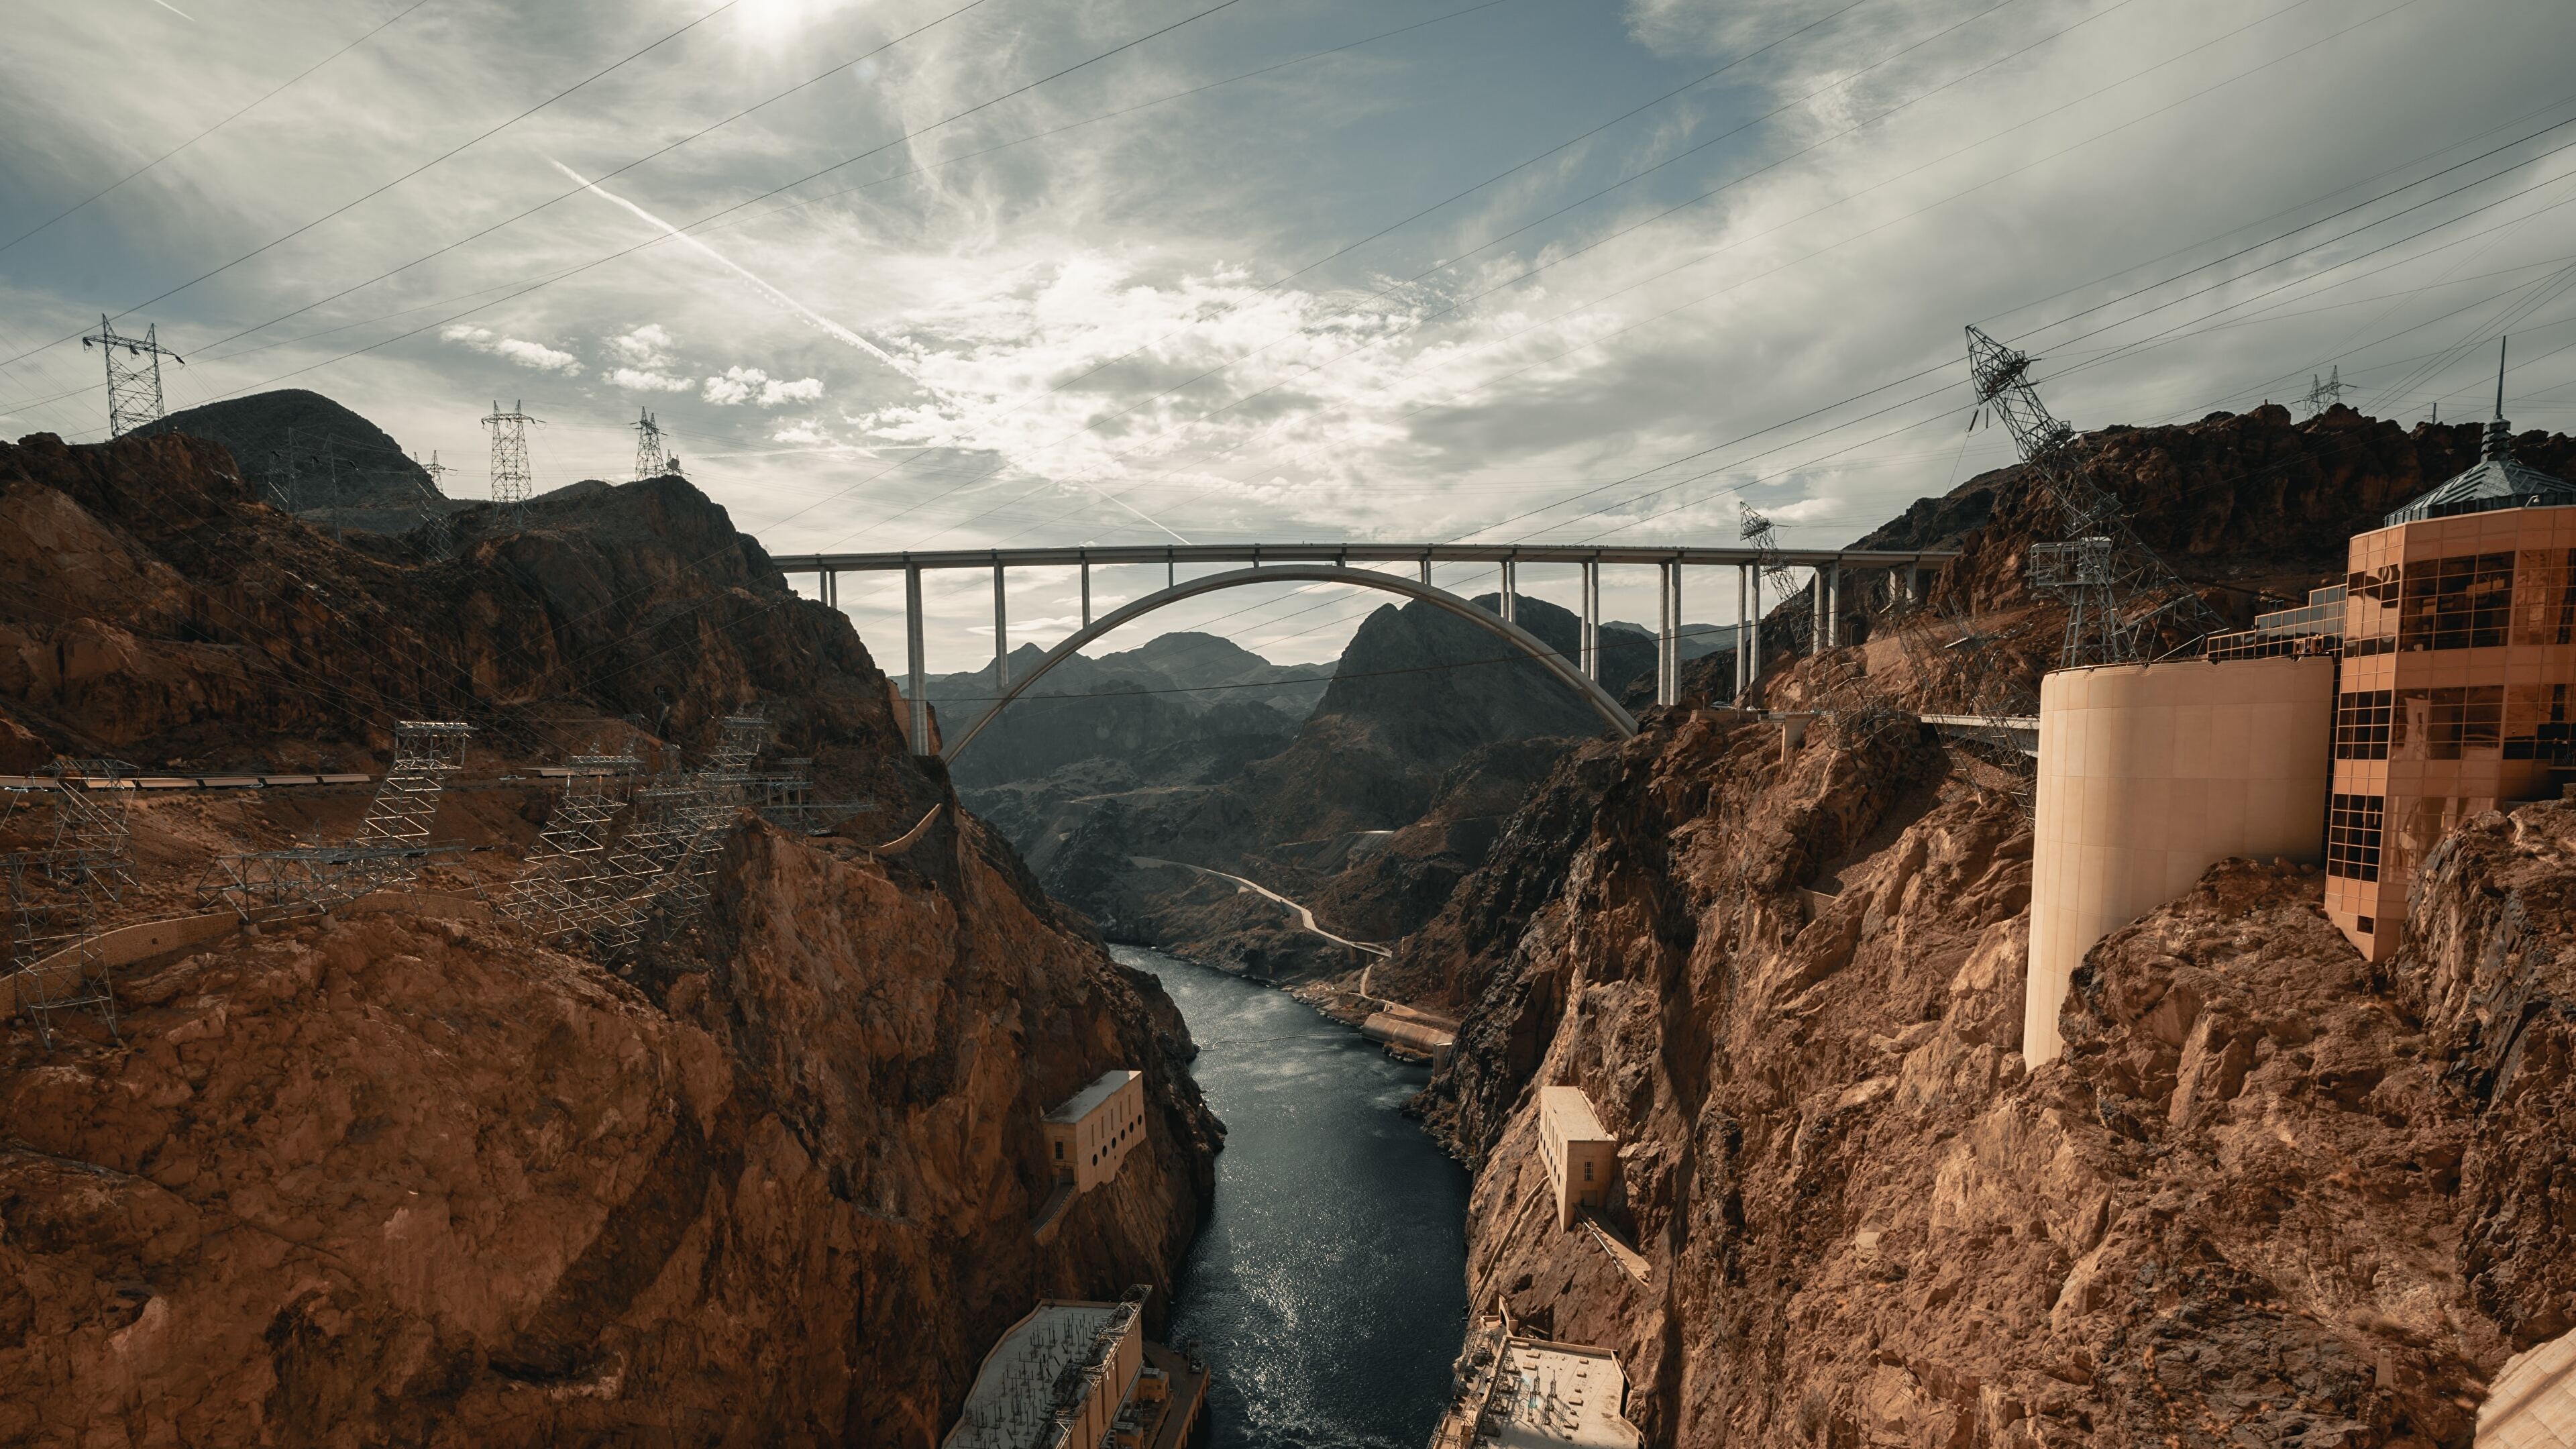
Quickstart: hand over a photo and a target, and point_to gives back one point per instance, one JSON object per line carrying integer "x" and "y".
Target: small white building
{"x": 1090, "y": 1134}
{"x": 1582, "y": 1158}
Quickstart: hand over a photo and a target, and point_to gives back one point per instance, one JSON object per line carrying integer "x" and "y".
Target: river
{"x": 1327, "y": 1285}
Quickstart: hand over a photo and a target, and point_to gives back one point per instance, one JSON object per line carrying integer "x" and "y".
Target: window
{"x": 2536, "y": 726}
{"x": 2352, "y": 835}
{"x": 2462, "y": 602}
{"x": 1587, "y": 1172}
{"x": 2447, "y": 724}
{"x": 2361, "y": 724}
{"x": 1059, "y": 1149}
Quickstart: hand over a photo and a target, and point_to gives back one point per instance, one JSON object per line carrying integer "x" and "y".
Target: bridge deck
{"x": 1260, "y": 553}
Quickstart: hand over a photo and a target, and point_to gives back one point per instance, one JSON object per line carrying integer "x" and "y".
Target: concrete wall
{"x": 124, "y": 946}
{"x": 2148, "y": 775}
{"x": 2533, "y": 1404}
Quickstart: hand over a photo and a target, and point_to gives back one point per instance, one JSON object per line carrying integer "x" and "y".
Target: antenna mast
{"x": 133, "y": 381}
{"x": 2102, "y": 565}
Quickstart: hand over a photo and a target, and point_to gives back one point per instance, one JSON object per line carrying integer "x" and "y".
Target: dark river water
{"x": 1328, "y": 1285}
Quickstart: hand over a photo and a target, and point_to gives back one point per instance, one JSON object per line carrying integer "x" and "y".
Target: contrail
{"x": 175, "y": 10}
{"x": 816, "y": 319}
{"x": 812, "y": 317}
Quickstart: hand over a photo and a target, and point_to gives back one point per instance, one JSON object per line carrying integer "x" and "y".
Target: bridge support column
{"x": 1741, "y": 603}
{"x": 1426, "y": 568}
{"x": 1001, "y": 634}
{"x": 913, "y": 660}
{"x": 1834, "y": 606}
{"x": 1668, "y": 658}
{"x": 1506, "y": 597}
{"x": 1913, "y": 583}
{"x": 1592, "y": 620}
{"x": 1753, "y": 630}
{"x": 1086, "y": 593}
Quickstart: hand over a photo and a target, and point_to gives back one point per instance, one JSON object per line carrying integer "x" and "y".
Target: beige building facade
{"x": 1091, "y": 1133}
{"x": 1023, "y": 1398}
{"x": 1582, "y": 1158}
{"x": 2148, "y": 775}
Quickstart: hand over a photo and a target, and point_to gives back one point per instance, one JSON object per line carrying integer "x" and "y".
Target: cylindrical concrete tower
{"x": 2149, "y": 774}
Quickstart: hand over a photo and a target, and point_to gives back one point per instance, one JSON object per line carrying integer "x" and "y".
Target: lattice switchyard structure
{"x": 59, "y": 893}
{"x": 134, "y": 380}
{"x": 387, "y": 853}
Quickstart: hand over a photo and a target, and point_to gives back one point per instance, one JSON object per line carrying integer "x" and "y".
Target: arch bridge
{"x": 1272, "y": 563}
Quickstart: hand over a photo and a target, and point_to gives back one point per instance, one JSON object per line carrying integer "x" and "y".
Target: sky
{"x": 977, "y": 273}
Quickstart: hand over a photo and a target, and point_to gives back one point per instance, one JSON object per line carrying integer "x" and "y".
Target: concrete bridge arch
{"x": 1602, "y": 701}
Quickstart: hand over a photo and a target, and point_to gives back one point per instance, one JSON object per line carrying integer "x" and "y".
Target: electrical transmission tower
{"x": 436, "y": 538}
{"x": 2101, "y": 566}
{"x": 1755, "y": 530}
{"x": 2324, "y": 392}
{"x": 134, "y": 380}
{"x": 510, "y": 460}
{"x": 651, "y": 459}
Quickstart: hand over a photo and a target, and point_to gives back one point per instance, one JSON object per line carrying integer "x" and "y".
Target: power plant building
{"x": 2459, "y": 650}
{"x": 1582, "y": 1158}
{"x": 1090, "y": 1134}
{"x": 2429, "y": 685}
{"x": 1075, "y": 1375}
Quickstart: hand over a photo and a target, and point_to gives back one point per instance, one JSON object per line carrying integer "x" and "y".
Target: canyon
{"x": 402, "y": 1172}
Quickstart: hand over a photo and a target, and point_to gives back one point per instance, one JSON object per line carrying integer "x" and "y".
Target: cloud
{"x": 526, "y": 354}
{"x": 647, "y": 380}
{"x": 646, "y": 346}
{"x": 805, "y": 434}
{"x": 750, "y": 384}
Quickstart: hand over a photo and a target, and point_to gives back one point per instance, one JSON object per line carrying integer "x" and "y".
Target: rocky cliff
{"x": 403, "y": 1175}
{"x": 2270, "y": 1196}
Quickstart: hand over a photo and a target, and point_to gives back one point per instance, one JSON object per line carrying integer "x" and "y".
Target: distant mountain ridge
{"x": 305, "y": 452}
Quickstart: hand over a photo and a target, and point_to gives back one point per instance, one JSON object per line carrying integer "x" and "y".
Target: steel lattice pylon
{"x": 652, "y": 460}
{"x": 2101, "y": 566}
{"x": 59, "y": 895}
{"x": 133, "y": 381}
{"x": 511, "y": 480}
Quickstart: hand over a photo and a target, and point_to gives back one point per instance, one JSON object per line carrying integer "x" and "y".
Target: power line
{"x": 406, "y": 176}
{"x": 264, "y": 99}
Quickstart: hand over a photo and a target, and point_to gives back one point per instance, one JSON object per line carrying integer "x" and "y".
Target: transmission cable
{"x": 264, "y": 99}
{"x": 721, "y": 8}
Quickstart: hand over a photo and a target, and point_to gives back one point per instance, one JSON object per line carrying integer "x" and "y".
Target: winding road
{"x": 1304, "y": 916}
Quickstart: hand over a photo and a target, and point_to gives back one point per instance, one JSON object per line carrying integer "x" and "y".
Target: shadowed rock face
{"x": 408, "y": 1178}
{"x": 396, "y": 1179}
{"x": 2270, "y": 1194}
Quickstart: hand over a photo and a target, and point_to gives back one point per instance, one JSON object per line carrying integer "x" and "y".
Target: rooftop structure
{"x": 1513, "y": 1392}
{"x": 1057, "y": 1378}
{"x": 2459, "y": 657}
{"x": 1089, "y": 1135}
{"x": 1582, "y": 1157}
{"x": 1075, "y": 1375}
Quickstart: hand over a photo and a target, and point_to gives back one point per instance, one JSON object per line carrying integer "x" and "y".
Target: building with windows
{"x": 1582, "y": 1159}
{"x": 1090, "y": 1134}
{"x": 2459, "y": 650}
